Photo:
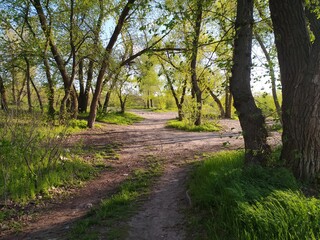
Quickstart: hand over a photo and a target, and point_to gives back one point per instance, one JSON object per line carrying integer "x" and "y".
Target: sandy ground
{"x": 160, "y": 217}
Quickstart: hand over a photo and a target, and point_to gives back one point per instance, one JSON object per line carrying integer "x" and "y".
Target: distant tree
{"x": 106, "y": 61}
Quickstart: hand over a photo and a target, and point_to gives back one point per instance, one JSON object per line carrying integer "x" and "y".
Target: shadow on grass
{"x": 249, "y": 203}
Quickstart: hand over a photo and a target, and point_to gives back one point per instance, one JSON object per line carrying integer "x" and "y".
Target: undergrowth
{"x": 208, "y": 126}
{"x": 34, "y": 159}
{"x": 233, "y": 202}
{"x": 119, "y": 118}
{"x": 118, "y": 208}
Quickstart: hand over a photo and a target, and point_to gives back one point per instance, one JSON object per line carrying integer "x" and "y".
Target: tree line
{"x": 87, "y": 50}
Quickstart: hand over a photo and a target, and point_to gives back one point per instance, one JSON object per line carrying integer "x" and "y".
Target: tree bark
{"x": 13, "y": 86}
{"x": 250, "y": 116}
{"x": 38, "y": 95}
{"x": 105, "y": 62}
{"x": 82, "y": 96}
{"x": 218, "y": 102}
{"x": 51, "y": 110}
{"x": 4, "y": 103}
{"x": 300, "y": 69}
{"x": 28, "y": 80}
{"x": 194, "y": 80}
{"x": 228, "y": 100}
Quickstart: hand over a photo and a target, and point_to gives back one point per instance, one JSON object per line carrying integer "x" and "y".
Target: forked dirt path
{"x": 160, "y": 216}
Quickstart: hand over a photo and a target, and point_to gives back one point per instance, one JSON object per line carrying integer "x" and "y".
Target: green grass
{"x": 233, "y": 202}
{"x": 119, "y": 118}
{"x": 113, "y": 211}
{"x": 34, "y": 159}
{"x": 182, "y": 125}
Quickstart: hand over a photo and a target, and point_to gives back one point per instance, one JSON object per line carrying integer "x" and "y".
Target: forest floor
{"x": 161, "y": 214}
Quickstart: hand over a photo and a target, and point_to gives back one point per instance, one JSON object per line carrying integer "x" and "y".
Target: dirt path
{"x": 160, "y": 217}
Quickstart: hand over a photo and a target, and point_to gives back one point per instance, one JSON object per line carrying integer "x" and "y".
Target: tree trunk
{"x": 4, "y": 103}
{"x": 82, "y": 96}
{"x": 13, "y": 87}
{"x": 67, "y": 80}
{"x": 105, "y": 62}
{"x": 300, "y": 68}
{"x": 106, "y": 102}
{"x": 122, "y": 103}
{"x": 272, "y": 74}
{"x": 51, "y": 110}
{"x": 250, "y": 116}
{"x": 179, "y": 102}
{"x": 20, "y": 92}
{"x": 218, "y": 102}
{"x": 28, "y": 80}
{"x": 228, "y": 100}
{"x": 38, "y": 95}
{"x": 194, "y": 80}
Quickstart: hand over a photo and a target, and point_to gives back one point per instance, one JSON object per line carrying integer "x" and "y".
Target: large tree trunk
{"x": 300, "y": 68}
{"x": 194, "y": 80}
{"x": 250, "y": 116}
{"x": 105, "y": 62}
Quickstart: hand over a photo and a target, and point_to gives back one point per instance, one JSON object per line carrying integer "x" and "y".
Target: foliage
{"x": 209, "y": 126}
{"x": 119, "y": 207}
{"x": 33, "y": 159}
{"x": 77, "y": 124}
{"x": 265, "y": 102}
{"x": 119, "y": 118}
{"x": 250, "y": 203}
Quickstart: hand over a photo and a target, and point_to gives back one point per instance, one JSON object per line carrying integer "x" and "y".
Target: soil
{"x": 160, "y": 217}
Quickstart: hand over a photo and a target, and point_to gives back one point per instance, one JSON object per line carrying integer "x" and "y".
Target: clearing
{"x": 160, "y": 216}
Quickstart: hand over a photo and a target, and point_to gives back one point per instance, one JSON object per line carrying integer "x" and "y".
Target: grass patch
{"x": 232, "y": 202}
{"x": 119, "y": 118}
{"x": 209, "y": 126}
{"x": 34, "y": 159}
{"x": 118, "y": 208}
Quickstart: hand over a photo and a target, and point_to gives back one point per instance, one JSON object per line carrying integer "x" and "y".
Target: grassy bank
{"x": 232, "y": 202}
